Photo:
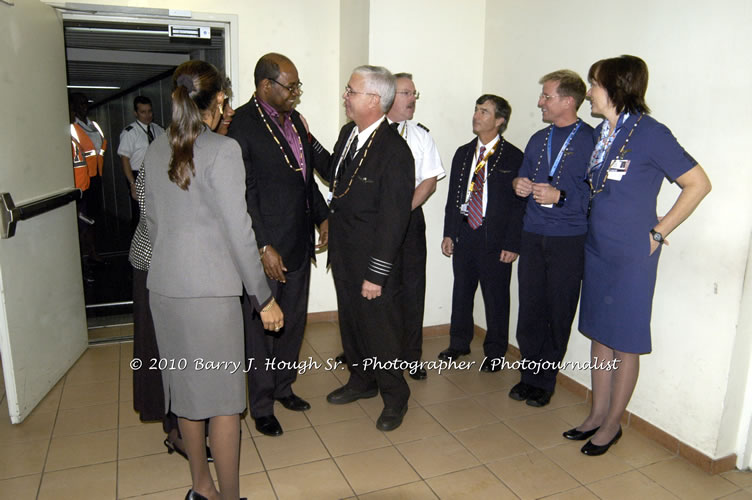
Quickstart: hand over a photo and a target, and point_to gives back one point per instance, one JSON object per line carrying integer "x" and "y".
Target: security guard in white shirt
{"x": 135, "y": 138}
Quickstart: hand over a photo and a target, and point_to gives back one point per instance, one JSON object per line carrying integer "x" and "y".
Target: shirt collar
{"x": 488, "y": 146}
{"x": 273, "y": 113}
{"x": 363, "y": 136}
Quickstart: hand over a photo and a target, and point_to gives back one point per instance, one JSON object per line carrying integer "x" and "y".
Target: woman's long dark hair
{"x": 195, "y": 86}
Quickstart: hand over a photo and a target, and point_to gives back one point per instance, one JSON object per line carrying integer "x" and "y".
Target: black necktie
{"x": 348, "y": 158}
{"x": 149, "y": 134}
{"x": 395, "y": 126}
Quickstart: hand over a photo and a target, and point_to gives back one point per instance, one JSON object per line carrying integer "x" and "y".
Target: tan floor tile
{"x": 144, "y": 439}
{"x": 94, "y": 481}
{"x": 36, "y": 426}
{"x": 543, "y": 430}
{"x": 580, "y": 493}
{"x": 418, "y": 424}
{"x": 291, "y": 448}
{"x": 351, "y": 436}
{"x": 310, "y": 481}
{"x": 504, "y": 407}
{"x": 637, "y": 450}
{"x": 437, "y": 455}
{"x": 23, "y": 459}
{"x": 126, "y": 388}
{"x": 532, "y": 475}
{"x": 435, "y": 390}
{"x": 20, "y": 487}
{"x": 165, "y": 495}
{"x": 413, "y": 491}
{"x": 687, "y": 481}
{"x": 739, "y": 495}
{"x": 473, "y": 381}
{"x": 376, "y": 470}
{"x": 126, "y": 350}
{"x": 51, "y": 401}
{"x": 250, "y": 462}
{"x": 629, "y": 485}
{"x": 322, "y": 412}
{"x": 92, "y": 371}
{"x": 324, "y": 336}
{"x": 562, "y": 398}
{"x": 573, "y": 415}
{"x": 374, "y": 406}
{"x": 82, "y": 449}
{"x": 86, "y": 420}
{"x": 311, "y": 385}
{"x": 256, "y": 486}
{"x": 151, "y": 474}
{"x": 493, "y": 442}
{"x": 97, "y": 393}
{"x": 289, "y": 420}
{"x": 470, "y": 484}
{"x": 127, "y": 416}
{"x": 741, "y": 478}
{"x": 583, "y": 468}
{"x": 460, "y": 414}
{"x": 109, "y": 353}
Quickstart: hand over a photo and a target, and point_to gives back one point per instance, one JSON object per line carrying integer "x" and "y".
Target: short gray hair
{"x": 378, "y": 80}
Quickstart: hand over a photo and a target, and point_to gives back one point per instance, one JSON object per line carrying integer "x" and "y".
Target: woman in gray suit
{"x": 204, "y": 252}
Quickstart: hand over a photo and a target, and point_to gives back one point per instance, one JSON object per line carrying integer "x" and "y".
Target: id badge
{"x": 617, "y": 169}
{"x": 329, "y": 198}
{"x": 463, "y": 209}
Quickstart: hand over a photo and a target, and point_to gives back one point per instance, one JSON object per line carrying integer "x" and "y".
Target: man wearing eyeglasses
{"x": 428, "y": 170}
{"x": 482, "y": 226}
{"x": 370, "y": 204}
{"x": 553, "y": 236}
{"x": 284, "y": 203}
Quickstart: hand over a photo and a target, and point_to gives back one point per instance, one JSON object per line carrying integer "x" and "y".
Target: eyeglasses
{"x": 408, "y": 93}
{"x": 292, "y": 88}
{"x": 349, "y": 92}
{"x": 548, "y": 97}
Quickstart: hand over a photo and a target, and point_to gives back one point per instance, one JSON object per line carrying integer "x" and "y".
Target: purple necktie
{"x": 475, "y": 206}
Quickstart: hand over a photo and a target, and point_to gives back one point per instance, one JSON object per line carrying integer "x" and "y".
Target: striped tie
{"x": 475, "y": 206}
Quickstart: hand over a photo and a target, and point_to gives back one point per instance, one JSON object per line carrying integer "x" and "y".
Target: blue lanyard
{"x": 563, "y": 147}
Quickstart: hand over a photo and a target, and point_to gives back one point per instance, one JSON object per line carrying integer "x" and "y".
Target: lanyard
{"x": 563, "y": 147}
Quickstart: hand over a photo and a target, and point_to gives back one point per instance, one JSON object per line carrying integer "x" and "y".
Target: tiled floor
{"x": 462, "y": 438}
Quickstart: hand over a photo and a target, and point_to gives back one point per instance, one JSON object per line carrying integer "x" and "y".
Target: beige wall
{"x": 697, "y": 55}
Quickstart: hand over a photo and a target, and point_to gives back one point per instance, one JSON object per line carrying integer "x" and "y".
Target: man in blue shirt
{"x": 552, "y": 178}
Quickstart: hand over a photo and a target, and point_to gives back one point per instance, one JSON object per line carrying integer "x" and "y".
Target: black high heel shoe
{"x": 576, "y": 435}
{"x": 171, "y": 448}
{"x": 594, "y": 450}
{"x": 192, "y": 495}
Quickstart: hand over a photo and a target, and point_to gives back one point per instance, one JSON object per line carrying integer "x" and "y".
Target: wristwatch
{"x": 657, "y": 236}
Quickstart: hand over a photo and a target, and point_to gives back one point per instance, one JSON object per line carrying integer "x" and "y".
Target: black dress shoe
{"x": 450, "y": 353}
{"x": 268, "y": 425}
{"x": 594, "y": 450}
{"x": 538, "y": 397}
{"x": 391, "y": 418}
{"x": 192, "y": 495}
{"x": 419, "y": 374}
{"x": 345, "y": 395}
{"x": 520, "y": 392}
{"x": 294, "y": 403}
{"x": 341, "y": 359}
{"x": 489, "y": 367}
{"x": 576, "y": 435}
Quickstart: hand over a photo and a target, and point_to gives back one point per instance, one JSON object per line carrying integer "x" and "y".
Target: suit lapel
{"x": 281, "y": 138}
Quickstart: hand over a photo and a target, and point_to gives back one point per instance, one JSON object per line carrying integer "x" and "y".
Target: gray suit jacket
{"x": 202, "y": 239}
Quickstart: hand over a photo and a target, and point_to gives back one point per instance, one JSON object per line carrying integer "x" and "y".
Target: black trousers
{"x": 550, "y": 274}
{"x": 414, "y": 285}
{"x": 266, "y": 385}
{"x": 473, "y": 262}
{"x": 372, "y": 328}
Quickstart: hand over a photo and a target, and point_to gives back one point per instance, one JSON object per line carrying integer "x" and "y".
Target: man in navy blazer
{"x": 284, "y": 203}
{"x": 482, "y": 230}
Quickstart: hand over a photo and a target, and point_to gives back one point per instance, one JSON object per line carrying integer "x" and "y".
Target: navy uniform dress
{"x": 619, "y": 279}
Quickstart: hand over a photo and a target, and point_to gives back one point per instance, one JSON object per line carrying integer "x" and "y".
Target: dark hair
{"x": 140, "y": 99}
{"x": 409, "y": 76}
{"x": 570, "y": 85}
{"x": 503, "y": 109}
{"x": 267, "y": 68}
{"x": 625, "y": 79}
{"x": 195, "y": 87}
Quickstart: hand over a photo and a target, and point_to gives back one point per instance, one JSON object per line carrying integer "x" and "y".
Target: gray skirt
{"x": 201, "y": 351}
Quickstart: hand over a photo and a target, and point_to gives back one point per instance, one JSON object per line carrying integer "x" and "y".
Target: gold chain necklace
{"x": 269, "y": 128}
{"x": 619, "y": 156}
{"x": 355, "y": 172}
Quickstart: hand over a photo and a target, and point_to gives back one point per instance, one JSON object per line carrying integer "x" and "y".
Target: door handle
{"x": 10, "y": 214}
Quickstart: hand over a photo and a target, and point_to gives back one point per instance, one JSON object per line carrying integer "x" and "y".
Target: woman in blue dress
{"x": 633, "y": 154}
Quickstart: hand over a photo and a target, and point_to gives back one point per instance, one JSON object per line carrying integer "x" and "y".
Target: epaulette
{"x": 423, "y": 127}
{"x": 129, "y": 128}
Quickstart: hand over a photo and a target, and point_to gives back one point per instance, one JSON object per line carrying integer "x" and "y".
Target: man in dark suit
{"x": 482, "y": 230}
{"x": 285, "y": 204}
{"x": 371, "y": 195}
